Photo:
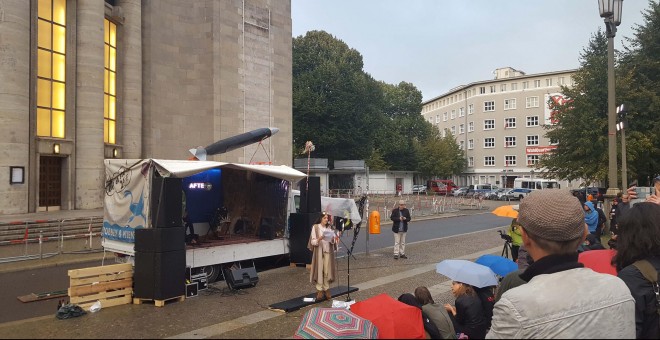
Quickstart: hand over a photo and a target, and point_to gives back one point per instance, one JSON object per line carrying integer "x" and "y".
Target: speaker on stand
{"x": 310, "y": 195}
{"x": 299, "y": 232}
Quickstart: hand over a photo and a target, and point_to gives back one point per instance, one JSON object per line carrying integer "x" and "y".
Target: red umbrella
{"x": 599, "y": 260}
{"x": 394, "y": 319}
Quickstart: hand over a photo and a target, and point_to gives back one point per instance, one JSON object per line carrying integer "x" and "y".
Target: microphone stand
{"x": 348, "y": 270}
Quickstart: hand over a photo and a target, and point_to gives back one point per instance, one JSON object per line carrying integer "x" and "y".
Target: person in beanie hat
{"x": 561, "y": 298}
{"x": 400, "y": 217}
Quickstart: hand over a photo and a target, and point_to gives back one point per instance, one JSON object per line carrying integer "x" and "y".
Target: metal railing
{"x": 26, "y": 240}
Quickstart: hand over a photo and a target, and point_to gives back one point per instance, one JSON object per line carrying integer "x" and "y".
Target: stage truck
{"x": 238, "y": 211}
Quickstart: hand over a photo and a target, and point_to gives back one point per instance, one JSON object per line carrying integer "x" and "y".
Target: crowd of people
{"x": 551, "y": 295}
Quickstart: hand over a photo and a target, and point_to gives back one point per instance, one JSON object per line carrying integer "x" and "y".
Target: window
{"x": 509, "y": 141}
{"x": 492, "y": 89}
{"x": 554, "y": 141}
{"x": 548, "y": 82}
{"x": 51, "y": 68}
{"x": 532, "y": 121}
{"x": 453, "y": 130}
{"x": 489, "y": 106}
{"x": 470, "y": 144}
{"x": 561, "y": 81}
{"x": 470, "y": 126}
{"x": 514, "y": 86}
{"x": 482, "y": 90}
{"x": 489, "y": 124}
{"x": 462, "y": 144}
{"x": 461, "y": 112}
{"x": 444, "y": 117}
{"x": 470, "y": 109}
{"x": 437, "y": 118}
{"x": 525, "y": 85}
{"x": 531, "y": 102}
{"x": 509, "y": 160}
{"x": 444, "y": 133}
{"x": 453, "y": 114}
{"x": 509, "y": 104}
{"x": 503, "y": 88}
{"x": 461, "y": 129}
{"x": 489, "y": 143}
{"x": 532, "y": 160}
{"x": 489, "y": 161}
{"x": 471, "y": 161}
{"x": 110, "y": 83}
{"x": 533, "y": 140}
{"x": 537, "y": 83}
{"x": 510, "y": 123}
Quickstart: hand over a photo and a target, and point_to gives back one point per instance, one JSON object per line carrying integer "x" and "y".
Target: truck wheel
{"x": 212, "y": 273}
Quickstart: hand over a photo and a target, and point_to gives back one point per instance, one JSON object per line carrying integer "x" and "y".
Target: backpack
{"x": 487, "y": 297}
{"x": 651, "y": 274}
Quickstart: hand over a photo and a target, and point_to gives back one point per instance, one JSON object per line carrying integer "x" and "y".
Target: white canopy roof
{"x": 185, "y": 168}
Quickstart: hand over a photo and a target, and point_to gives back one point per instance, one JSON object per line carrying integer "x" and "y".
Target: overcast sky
{"x": 440, "y": 44}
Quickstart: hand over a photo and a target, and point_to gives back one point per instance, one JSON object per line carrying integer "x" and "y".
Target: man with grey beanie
{"x": 562, "y": 299}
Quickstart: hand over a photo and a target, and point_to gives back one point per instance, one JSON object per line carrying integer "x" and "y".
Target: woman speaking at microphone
{"x": 322, "y": 243}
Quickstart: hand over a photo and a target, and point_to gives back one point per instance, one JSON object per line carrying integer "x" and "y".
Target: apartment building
{"x": 85, "y": 80}
{"x": 499, "y": 123}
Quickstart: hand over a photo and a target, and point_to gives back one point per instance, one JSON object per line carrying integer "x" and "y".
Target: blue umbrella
{"x": 468, "y": 272}
{"x": 500, "y": 265}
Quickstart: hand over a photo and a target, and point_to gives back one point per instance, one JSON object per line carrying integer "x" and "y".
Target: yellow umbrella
{"x": 506, "y": 211}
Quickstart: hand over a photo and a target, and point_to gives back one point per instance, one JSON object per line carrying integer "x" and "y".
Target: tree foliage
{"x": 335, "y": 104}
{"x": 440, "y": 156}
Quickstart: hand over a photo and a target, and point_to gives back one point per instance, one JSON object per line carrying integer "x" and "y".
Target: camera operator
{"x": 516, "y": 238}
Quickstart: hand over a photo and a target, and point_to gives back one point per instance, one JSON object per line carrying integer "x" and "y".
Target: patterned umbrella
{"x": 335, "y": 323}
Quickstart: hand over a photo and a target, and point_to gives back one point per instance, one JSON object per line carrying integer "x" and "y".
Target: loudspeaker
{"x": 166, "y": 208}
{"x": 266, "y": 227}
{"x": 159, "y": 276}
{"x": 310, "y": 196}
{"x": 191, "y": 289}
{"x": 240, "y": 278}
{"x": 300, "y": 228}
{"x": 160, "y": 239}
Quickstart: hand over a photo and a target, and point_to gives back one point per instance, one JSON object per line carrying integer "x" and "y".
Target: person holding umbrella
{"x": 516, "y": 238}
{"x": 561, "y": 298}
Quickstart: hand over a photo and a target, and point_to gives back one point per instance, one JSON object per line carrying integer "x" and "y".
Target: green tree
{"x": 639, "y": 88}
{"x": 376, "y": 162}
{"x": 336, "y": 104}
{"x": 581, "y": 120}
{"x": 440, "y": 157}
{"x": 402, "y": 125}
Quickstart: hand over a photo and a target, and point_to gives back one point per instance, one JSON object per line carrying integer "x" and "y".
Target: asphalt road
{"x": 51, "y": 279}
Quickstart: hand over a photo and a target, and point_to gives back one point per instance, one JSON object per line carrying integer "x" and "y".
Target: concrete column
{"x": 14, "y": 102}
{"x": 130, "y": 72}
{"x": 89, "y": 175}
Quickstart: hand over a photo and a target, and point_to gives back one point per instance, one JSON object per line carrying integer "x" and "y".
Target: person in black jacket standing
{"x": 639, "y": 239}
{"x": 400, "y": 216}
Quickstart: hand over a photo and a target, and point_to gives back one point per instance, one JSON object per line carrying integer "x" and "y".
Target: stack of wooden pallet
{"x": 111, "y": 285}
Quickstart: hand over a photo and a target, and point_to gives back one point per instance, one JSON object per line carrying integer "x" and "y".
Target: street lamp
{"x": 622, "y": 114}
{"x": 610, "y": 10}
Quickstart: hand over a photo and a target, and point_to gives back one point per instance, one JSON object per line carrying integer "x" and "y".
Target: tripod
{"x": 506, "y": 250}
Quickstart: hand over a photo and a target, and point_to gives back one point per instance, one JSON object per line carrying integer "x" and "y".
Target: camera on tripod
{"x": 505, "y": 237}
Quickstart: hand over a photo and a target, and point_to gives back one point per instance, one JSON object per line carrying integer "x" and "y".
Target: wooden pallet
{"x": 111, "y": 285}
{"x": 158, "y": 303}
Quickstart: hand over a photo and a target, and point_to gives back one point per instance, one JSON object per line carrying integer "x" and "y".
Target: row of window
{"x": 489, "y": 124}
{"x": 509, "y": 142}
{"x": 51, "y": 70}
{"x": 489, "y": 106}
{"x": 509, "y": 160}
{"x": 493, "y": 89}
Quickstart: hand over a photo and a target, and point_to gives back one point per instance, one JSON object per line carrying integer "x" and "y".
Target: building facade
{"x": 85, "y": 80}
{"x": 499, "y": 123}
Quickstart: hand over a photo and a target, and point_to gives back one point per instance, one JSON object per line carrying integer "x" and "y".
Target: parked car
{"x": 460, "y": 191}
{"x": 518, "y": 193}
{"x": 418, "y": 188}
{"x": 495, "y": 194}
{"x": 505, "y": 194}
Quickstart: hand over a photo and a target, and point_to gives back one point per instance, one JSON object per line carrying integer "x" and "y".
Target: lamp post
{"x": 622, "y": 114}
{"x": 610, "y": 10}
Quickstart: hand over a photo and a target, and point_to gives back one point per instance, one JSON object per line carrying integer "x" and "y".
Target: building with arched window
{"x": 85, "y": 80}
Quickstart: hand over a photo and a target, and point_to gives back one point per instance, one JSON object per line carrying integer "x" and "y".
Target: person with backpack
{"x": 638, "y": 263}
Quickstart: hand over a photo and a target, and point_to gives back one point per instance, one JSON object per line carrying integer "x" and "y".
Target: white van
{"x": 535, "y": 184}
